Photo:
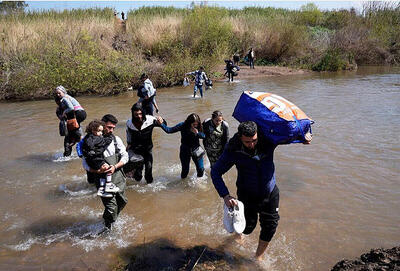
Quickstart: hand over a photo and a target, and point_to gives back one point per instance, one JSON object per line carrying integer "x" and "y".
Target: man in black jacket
{"x": 253, "y": 156}
{"x": 139, "y": 131}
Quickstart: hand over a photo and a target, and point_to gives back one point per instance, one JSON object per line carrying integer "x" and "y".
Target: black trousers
{"x": 147, "y": 164}
{"x": 265, "y": 208}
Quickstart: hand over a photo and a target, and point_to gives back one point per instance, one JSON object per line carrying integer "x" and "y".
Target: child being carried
{"x": 93, "y": 146}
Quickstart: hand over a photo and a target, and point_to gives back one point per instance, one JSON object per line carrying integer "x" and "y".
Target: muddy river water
{"x": 340, "y": 196}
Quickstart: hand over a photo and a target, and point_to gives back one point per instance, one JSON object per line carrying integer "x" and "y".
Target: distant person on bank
{"x": 216, "y": 131}
{"x": 252, "y": 154}
{"x": 116, "y": 156}
{"x": 70, "y": 110}
{"x": 236, "y": 59}
{"x": 200, "y": 77}
{"x": 191, "y": 133}
{"x": 251, "y": 55}
{"x": 147, "y": 95}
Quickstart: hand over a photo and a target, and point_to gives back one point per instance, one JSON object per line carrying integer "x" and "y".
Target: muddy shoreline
{"x": 376, "y": 259}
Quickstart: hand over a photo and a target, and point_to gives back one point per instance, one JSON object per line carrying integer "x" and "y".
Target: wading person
{"x": 229, "y": 69}
{"x": 93, "y": 147}
{"x": 70, "y": 110}
{"x": 191, "y": 132}
{"x": 147, "y": 95}
{"x": 256, "y": 188}
{"x": 216, "y": 131}
{"x": 139, "y": 132}
{"x": 116, "y": 156}
{"x": 199, "y": 79}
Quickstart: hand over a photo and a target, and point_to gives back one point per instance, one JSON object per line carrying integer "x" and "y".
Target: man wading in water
{"x": 139, "y": 132}
{"x": 116, "y": 156}
{"x": 253, "y": 156}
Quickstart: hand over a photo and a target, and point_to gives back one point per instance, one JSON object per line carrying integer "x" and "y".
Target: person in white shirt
{"x": 116, "y": 156}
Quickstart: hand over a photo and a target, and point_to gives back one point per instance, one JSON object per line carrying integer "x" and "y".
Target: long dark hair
{"x": 193, "y": 118}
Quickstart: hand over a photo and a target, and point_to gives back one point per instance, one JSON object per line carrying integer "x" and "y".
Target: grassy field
{"x": 90, "y": 51}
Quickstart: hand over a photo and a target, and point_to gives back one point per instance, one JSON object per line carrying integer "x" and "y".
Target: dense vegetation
{"x": 89, "y": 51}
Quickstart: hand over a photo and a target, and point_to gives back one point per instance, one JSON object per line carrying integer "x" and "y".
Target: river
{"x": 339, "y": 196}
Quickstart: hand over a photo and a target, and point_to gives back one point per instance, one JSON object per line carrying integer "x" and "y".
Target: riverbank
{"x": 91, "y": 52}
{"x": 376, "y": 259}
{"x": 263, "y": 71}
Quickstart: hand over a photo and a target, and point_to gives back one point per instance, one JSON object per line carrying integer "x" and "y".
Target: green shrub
{"x": 331, "y": 61}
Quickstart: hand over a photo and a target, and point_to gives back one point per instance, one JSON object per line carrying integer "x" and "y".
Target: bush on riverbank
{"x": 85, "y": 51}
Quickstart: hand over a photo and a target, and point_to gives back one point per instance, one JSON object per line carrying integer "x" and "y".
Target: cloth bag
{"x": 280, "y": 120}
{"x": 72, "y": 124}
{"x": 186, "y": 82}
{"x": 198, "y": 152}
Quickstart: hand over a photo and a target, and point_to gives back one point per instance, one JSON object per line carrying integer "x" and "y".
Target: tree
{"x": 12, "y": 6}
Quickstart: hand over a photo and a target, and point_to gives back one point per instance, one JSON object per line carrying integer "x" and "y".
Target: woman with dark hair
{"x": 191, "y": 131}
{"x": 216, "y": 131}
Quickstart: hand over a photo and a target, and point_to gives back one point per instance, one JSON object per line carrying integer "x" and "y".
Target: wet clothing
{"x": 215, "y": 139}
{"x": 255, "y": 182}
{"x": 267, "y": 208}
{"x": 189, "y": 142}
{"x": 141, "y": 143}
{"x": 199, "y": 78}
{"x": 93, "y": 148}
{"x": 114, "y": 153}
{"x": 229, "y": 70}
{"x": 71, "y": 108}
{"x": 147, "y": 96}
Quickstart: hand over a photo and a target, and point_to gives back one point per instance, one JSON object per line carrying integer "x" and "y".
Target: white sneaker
{"x": 102, "y": 193}
{"x": 228, "y": 219}
{"x": 111, "y": 188}
{"x": 239, "y": 221}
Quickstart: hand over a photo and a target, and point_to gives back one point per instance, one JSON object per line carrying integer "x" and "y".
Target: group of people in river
{"x": 105, "y": 157}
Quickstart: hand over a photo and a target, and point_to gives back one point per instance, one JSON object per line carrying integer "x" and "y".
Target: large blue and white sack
{"x": 280, "y": 120}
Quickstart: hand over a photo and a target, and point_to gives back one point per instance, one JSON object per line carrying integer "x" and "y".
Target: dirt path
{"x": 263, "y": 71}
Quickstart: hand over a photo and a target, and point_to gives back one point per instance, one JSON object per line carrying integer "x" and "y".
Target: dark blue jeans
{"x": 198, "y": 87}
{"x": 185, "y": 154}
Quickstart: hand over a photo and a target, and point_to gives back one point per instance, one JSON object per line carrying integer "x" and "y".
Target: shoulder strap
{"x": 117, "y": 150}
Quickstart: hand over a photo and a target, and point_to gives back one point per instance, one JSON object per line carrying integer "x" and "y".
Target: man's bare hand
{"x": 230, "y": 201}
{"x": 308, "y": 138}
{"x": 159, "y": 120}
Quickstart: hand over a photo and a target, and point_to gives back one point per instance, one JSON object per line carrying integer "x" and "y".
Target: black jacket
{"x": 141, "y": 140}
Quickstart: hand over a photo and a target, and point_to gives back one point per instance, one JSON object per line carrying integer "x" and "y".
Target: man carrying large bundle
{"x": 252, "y": 153}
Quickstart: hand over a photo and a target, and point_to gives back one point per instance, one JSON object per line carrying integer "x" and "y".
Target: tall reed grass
{"x": 88, "y": 52}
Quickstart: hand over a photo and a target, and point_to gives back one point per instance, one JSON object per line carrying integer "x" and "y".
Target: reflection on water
{"x": 339, "y": 196}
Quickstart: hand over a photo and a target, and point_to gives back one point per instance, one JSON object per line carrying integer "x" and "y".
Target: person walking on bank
{"x": 236, "y": 59}
{"x": 116, "y": 156}
{"x": 191, "y": 131}
{"x": 147, "y": 95}
{"x": 216, "y": 131}
{"x": 70, "y": 110}
{"x": 199, "y": 79}
{"x": 252, "y": 154}
{"x": 139, "y": 132}
{"x": 123, "y": 15}
{"x": 251, "y": 56}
